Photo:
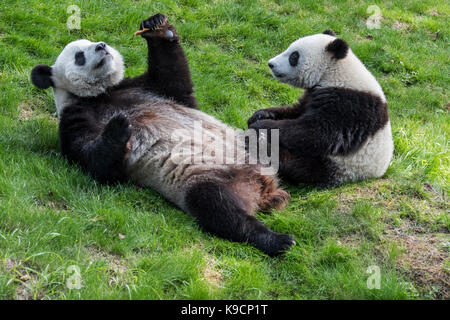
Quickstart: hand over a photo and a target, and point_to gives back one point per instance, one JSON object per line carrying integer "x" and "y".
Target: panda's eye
{"x": 293, "y": 58}
{"x": 80, "y": 60}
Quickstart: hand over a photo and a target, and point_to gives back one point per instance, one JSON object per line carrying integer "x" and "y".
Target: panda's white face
{"x": 304, "y": 62}
{"x": 87, "y": 68}
{"x": 322, "y": 60}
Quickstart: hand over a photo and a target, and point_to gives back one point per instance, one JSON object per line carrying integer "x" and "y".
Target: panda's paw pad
{"x": 118, "y": 129}
{"x": 155, "y": 22}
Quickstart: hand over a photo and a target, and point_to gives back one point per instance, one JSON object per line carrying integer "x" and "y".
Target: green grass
{"x": 131, "y": 243}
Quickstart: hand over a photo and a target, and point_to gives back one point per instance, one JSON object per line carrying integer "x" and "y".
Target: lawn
{"x": 63, "y": 236}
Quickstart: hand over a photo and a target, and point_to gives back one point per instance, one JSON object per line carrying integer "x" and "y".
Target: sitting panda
{"x": 339, "y": 130}
{"x": 120, "y": 129}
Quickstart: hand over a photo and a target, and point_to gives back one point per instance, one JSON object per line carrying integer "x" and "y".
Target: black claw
{"x": 274, "y": 244}
{"x": 154, "y": 22}
{"x": 259, "y": 115}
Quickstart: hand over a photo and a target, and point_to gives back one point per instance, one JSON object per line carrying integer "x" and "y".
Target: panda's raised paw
{"x": 156, "y": 25}
{"x": 157, "y": 21}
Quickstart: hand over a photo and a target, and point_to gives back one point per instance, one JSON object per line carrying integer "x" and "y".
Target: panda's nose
{"x": 100, "y": 46}
{"x": 270, "y": 65}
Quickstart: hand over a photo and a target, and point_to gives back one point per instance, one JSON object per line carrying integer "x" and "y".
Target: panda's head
{"x": 306, "y": 60}
{"x": 83, "y": 68}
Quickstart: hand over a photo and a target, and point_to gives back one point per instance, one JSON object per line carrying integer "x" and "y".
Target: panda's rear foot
{"x": 219, "y": 210}
{"x": 273, "y": 243}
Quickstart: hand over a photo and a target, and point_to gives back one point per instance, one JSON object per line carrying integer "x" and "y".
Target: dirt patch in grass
{"x": 370, "y": 192}
{"x": 383, "y": 194}
{"x": 26, "y": 111}
{"x": 29, "y": 110}
{"x": 54, "y": 204}
{"x": 117, "y": 267}
{"x": 211, "y": 273}
{"x": 424, "y": 258}
{"x": 9, "y": 264}
{"x": 28, "y": 281}
{"x": 27, "y": 287}
{"x": 115, "y": 263}
{"x": 401, "y": 26}
{"x": 433, "y": 12}
{"x": 352, "y": 241}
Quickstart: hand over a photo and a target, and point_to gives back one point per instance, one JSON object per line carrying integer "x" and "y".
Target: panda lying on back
{"x": 119, "y": 129}
{"x": 339, "y": 130}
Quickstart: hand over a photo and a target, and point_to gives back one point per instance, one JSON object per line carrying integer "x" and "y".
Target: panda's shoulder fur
{"x": 349, "y": 116}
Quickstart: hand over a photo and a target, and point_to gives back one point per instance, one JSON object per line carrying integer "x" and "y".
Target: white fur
{"x": 85, "y": 80}
{"x": 370, "y": 161}
{"x": 318, "y": 68}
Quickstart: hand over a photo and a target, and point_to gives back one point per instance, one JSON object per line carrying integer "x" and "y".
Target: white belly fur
{"x": 370, "y": 161}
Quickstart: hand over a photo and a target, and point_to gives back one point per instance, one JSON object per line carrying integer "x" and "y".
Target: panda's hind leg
{"x": 219, "y": 210}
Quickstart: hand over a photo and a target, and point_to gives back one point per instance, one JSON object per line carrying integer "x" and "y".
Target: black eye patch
{"x": 80, "y": 60}
{"x": 293, "y": 58}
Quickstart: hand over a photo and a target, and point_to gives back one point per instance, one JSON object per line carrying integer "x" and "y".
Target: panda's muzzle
{"x": 273, "y": 69}
{"x": 100, "y": 46}
{"x": 102, "y": 62}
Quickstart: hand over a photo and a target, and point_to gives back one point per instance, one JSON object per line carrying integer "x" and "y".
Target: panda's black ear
{"x": 41, "y": 76}
{"x": 338, "y": 48}
{"x": 329, "y": 32}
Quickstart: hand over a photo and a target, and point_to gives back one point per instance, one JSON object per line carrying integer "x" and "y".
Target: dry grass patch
{"x": 29, "y": 110}
{"x": 211, "y": 272}
{"x": 115, "y": 263}
{"x": 28, "y": 288}
{"x": 26, "y": 111}
{"x": 425, "y": 257}
{"x": 433, "y": 12}
{"x": 401, "y": 26}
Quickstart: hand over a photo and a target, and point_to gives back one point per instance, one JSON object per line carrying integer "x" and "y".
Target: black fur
{"x": 338, "y": 48}
{"x": 41, "y": 76}
{"x": 325, "y": 122}
{"x": 166, "y": 61}
{"x": 99, "y": 146}
{"x": 293, "y": 58}
{"x": 220, "y": 211}
{"x": 80, "y": 59}
{"x": 94, "y": 133}
{"x": 329, "y": 32}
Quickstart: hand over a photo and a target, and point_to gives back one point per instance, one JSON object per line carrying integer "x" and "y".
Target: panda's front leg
{"x": 168, "y": 71}
{"x": 107, "y": 155}
{"x": 276, "y": 113}
{"x": 117, "y": 134}
{"x": 265, "y": 124}
{"x": 262, "y": 114}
